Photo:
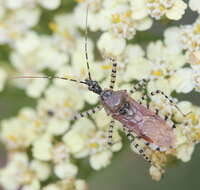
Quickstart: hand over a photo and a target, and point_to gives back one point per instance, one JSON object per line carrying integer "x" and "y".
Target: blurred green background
{"x": 127, "y": 170}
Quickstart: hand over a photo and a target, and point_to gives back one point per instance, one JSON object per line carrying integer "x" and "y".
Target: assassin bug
{"x": 137, "y": 119}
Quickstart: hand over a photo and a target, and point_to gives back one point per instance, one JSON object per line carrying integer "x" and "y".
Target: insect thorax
{"x": 115, "y": 102}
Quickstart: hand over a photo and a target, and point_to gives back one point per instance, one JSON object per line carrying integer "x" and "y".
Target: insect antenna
{"x": 49, "y": 77}
{"x": 86, "y": 42}
{"x": 92, "y": 85}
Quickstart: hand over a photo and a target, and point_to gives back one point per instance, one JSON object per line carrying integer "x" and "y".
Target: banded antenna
{"x": 86, "y": 41}
{"x": 49, "y": 77}
{"x": 86, "y": 56}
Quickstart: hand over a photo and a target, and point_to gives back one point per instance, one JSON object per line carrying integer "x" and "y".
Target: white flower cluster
{"x": 19, "y": 16}
{"x": 190, "y": 41}
{"x": 171, "y": 9}
{"x": 123, "y": 18}
{"x": 43, "y": 142}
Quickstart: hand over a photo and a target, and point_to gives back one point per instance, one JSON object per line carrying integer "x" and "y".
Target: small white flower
{"x": 34, "y": 185}
{"x": 42, "y": 148}
{"x": 189, "y": 36}
{"x": 196, "y": 76}
{"x": 110, "y": 45}
{"x": 90, "y": 97}
{"x": 155, "y": 173}
{"x": 67, "y": 184}
{"x": 139, "y": 9}
{"x": 172, "y": 39}
{"x": 41, "y": 169}
{"x": 165, "y": 54}
{"x": 57, "y": 127}
{"x": 76, "y": 139}
{"x": 50, "y": 4}
{"x": 133, "y": 52}
{"x": 182, "y": 80}
{"x": 17, "y": 22}
{"x": 52, "y": 187}
{"x": 36, "y": 88}
{"x": 12, "y": 4}
{"x": 194, "y": 5}
{"x": 65, "y": 170}
{"x": 18, "y": 169}
{"x": 22, "y": 45}
{"x": 172, "y": 9}
{"x": 60, "y": 153}
{"x": 184, "y": 152}
{"x": 24, "y": 18}
{"x": 21, "y": 131}
{"x": 137, "y": 69}
{"x": 101, "y": 123}
{"x": 100, "y": 160}
{"x": 97, "y": 19}
{"x": 177, "y": 11}
{"x": 80, "y": 185}
{"x": 144, "y": 24}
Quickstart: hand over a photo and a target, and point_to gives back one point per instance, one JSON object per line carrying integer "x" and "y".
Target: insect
{"x": 138, "y": 120}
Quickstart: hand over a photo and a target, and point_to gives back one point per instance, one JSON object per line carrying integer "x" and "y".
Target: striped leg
{"x": 86, "y": 113}
{"x": 135, "y": 142}
{"x": 141, "y": 84}
{"x": 113, "y": 73}
{"x": 170, "y": 100}
{"x": 110, "y": 132}
{"x": 144, "y": 98}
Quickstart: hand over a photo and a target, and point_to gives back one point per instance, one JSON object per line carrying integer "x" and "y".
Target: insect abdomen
{"x": 154, "y": 130}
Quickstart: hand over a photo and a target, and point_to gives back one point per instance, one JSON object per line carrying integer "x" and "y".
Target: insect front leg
{"x": 140, "y": 85}
{"x": 86, "y": 113}
{"x": 113, "y": 73}
{"x": 135, "y": 142}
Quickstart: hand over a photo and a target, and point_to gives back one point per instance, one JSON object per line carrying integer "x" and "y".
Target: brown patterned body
{"x": 139, "y": 120}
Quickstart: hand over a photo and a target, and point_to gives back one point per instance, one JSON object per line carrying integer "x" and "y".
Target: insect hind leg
{"x": 137, "y": 144}
{"x": 169, "y": 100}
{"x": 86, "y": 113}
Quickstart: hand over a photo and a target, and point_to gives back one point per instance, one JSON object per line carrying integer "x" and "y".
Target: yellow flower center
{"x": 106, "y": 67}
{"x": 194, "y": 44}
{"x": 53, "y": 26}
{"x": 67, "y": 103}
{"x": 128, "y": 13}
{"x": 162, "y": 8}
{"x": 79, "y": 1}
{"x": 193, "y": 117}
{"x": 12, "y": 138}
{"x": 38, "y": 123}
{"x": 93, "y": 145}
{"x": 197, "y": 29}
{"x": 67, "y": 35}
{"x": 157, "y": 73}
{"x": 116, "y": 18}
